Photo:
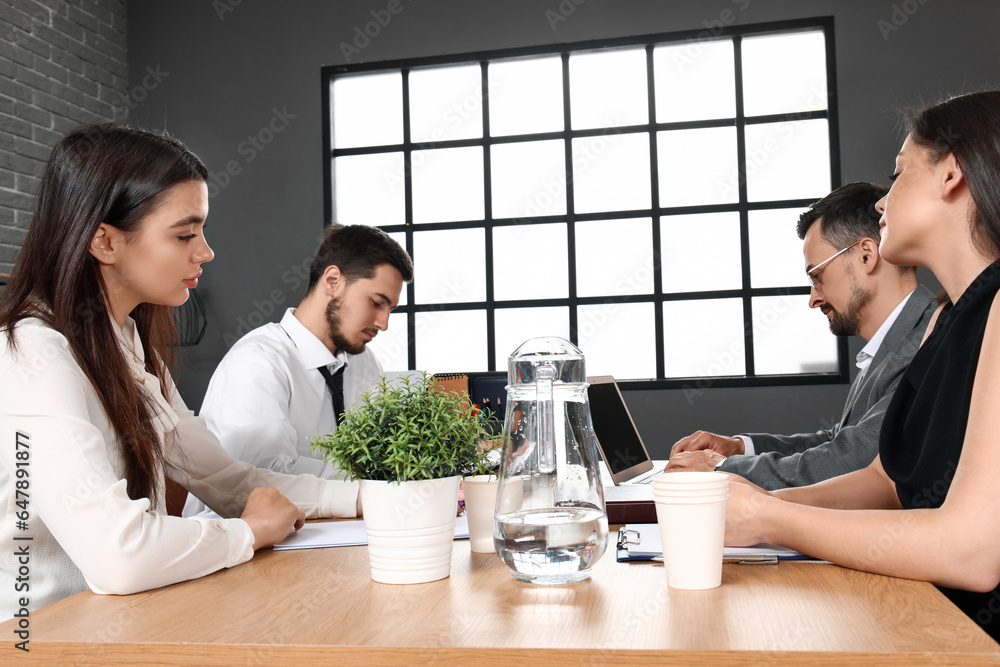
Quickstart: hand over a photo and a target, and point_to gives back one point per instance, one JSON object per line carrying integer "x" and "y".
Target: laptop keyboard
{"x": 644, "y": 478}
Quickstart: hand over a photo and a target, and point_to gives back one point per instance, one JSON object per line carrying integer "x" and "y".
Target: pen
{"x": 750, "y": 560}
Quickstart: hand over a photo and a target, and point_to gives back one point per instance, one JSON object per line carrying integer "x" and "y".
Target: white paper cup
{"x": 480, "y": 504}
{"x": 688, "y": 476}
{"x": 690, "y": 500}
{"x": 695, "y": 486}
{"x": 692, "y": 526}
{"x": 690, "y": 493}
{"x": 690, "y": 480}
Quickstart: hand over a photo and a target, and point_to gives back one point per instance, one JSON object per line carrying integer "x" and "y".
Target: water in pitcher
{"x": 551, "y": 546}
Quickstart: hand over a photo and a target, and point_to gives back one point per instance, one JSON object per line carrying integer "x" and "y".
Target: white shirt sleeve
{"x": 77, "y": 493}
{"x": 748, "y": 441}
{"x": 78, "y": 496}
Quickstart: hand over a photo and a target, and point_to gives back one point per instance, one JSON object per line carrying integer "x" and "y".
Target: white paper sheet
{"x": 344, "y": 533}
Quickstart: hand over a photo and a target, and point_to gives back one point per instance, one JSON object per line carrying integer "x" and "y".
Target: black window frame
{"x": 745, "y": 293}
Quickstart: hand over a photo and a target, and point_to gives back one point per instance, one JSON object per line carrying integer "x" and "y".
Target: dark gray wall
{"x": 235, "y": 66}
{"x": 61, "y": 65}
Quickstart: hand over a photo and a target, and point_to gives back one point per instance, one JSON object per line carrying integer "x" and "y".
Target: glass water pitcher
{"x": 550, "y": 526}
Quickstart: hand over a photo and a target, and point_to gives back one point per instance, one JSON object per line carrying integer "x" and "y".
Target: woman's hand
{"x": 271, "y": 516}
{"x": 745, "y": 513}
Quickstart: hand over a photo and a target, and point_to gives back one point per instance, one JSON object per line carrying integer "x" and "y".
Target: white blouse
{"x": 82, "y": 529}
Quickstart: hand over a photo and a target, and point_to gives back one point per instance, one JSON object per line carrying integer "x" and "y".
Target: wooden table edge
{"x": 210, "y": 655}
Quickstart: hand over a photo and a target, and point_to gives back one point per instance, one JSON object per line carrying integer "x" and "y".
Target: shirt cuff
{"x": 748, "y": 441}
{"x": 241, "y": 541}
{"x": 340, "y": 499}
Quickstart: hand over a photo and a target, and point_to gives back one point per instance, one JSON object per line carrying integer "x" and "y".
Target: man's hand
{"x": 700, "y": 440}
{"x": 271, "y": 516}
{"x": 702, "y": 461}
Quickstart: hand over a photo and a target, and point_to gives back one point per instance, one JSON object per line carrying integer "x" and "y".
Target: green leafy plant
{"x": 408, "y": 430}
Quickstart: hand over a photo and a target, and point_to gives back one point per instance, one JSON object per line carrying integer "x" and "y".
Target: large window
{"x": 636, "y": 196}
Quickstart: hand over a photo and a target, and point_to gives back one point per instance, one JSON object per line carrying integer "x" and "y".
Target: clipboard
{"x": 640, "y": 542}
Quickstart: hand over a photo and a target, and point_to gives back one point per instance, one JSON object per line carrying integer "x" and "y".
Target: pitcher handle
{"x": 545, "y": 436}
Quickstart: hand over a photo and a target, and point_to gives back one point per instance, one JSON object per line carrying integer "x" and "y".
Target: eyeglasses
{"x": 812, "y": 273}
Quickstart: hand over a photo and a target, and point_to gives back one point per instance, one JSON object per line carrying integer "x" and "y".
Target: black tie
{"x": 335, "y": 381}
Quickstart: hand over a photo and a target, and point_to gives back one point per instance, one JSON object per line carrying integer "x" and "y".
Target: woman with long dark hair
{"x": 91, "y": 423}
{"x": 939, "y": 452}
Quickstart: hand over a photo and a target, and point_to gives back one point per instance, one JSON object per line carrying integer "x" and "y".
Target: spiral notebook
{"x": 488, "y": 390}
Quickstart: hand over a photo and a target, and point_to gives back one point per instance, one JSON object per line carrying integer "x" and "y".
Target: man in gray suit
{"x": 860, "y": 293}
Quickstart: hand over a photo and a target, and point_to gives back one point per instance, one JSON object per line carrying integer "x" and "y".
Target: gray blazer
{"x": 807, "y": 458}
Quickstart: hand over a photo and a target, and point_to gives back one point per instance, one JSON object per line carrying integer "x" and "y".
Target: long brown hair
{"x": 117, "y": 175}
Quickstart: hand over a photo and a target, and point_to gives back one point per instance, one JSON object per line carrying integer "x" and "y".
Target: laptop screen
{"x": 616, "y": 433}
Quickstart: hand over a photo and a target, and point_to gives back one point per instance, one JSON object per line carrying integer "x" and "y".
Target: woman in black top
{"x": 940, "y": 440}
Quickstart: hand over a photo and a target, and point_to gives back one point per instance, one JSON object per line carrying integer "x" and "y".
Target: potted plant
{"x": 408, "y": 444}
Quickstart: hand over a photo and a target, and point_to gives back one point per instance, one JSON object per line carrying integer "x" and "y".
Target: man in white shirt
{"x": 277, "y": 388}
{"x": 861, "y": 294}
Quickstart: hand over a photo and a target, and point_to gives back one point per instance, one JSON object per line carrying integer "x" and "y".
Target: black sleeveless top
{"x": 924, "y": 426}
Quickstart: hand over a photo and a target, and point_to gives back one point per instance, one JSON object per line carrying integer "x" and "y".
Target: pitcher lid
{"x": 566, "y": 359}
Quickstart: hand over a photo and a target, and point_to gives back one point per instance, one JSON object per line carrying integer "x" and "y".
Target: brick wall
{"x": 62, "y": 64}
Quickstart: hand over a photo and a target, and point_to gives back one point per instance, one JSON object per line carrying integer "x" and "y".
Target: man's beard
{"x": 336, "y": 335}
{"x": 847, "y": 324}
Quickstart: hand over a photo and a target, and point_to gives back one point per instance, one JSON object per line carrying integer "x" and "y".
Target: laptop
{"x": 617, "y": 437}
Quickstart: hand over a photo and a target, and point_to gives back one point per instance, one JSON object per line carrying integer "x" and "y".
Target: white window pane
{"x": 775, "y": 249}
{"x": 614, "y": 257}
{"x": 784, "y": 73}
{"x": 697, "y": 167}
{"x": 516, "y": 325}
{"x": 611, "y": 172}
{"x": 446, "y": 103}
{"x": 369, "y": 189}
{"x": 789, "y": 160}
{"x": 448, "y": 266}
{"x": 618, "y": 339}
{"x": 367, "y": 110}
{"x": 530, "y": 262}
{"x": 790, "y": 337}
{"x": 390, "y": 346}
{"x": 608, "y": 88}
{"x": 526, "y": 96}
{"x": 695, "y": 80}
{"x": 703, "y": 338}
{"x": 440, "y": 350}
{"x": 400, "y": 238}
{"x": 447, "y": 184}
{"x": 701, "y": 252}
{"x": 529, "y": 179}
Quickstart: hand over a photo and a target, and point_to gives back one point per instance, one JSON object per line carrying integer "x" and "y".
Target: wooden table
{"x": 320, "y": 606}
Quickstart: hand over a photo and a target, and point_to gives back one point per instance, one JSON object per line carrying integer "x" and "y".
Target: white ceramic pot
{"x": 410, "y": 527}
{"x": 480, "y": 504}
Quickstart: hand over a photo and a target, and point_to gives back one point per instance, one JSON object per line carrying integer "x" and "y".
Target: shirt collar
{"x": 313, "y": 351}
{"x": 870, "y": 349}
